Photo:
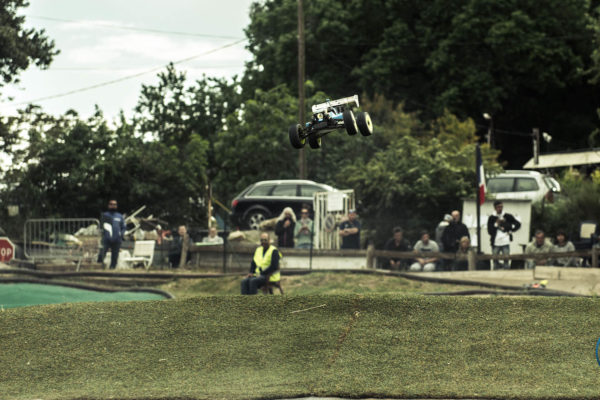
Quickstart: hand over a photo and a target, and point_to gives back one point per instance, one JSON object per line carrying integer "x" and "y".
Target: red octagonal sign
{"x": 7, "y": 249}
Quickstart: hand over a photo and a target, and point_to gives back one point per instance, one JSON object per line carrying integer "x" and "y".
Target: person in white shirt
{"x": 500, "y": 226}
{"x": 212, "y": 237}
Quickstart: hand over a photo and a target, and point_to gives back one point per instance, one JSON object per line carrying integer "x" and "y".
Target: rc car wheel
{"x": 294, "y": 133}
{"x": 314, "y": 142}
{"x": 350, "y": 122}
{"x": 365, "y": 126}
{"x": 254, "y": 218}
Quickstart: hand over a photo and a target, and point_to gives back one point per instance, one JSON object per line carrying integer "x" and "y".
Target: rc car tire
{"x": 314, "y": 142}
{"x": 350, "y": 122}
{"x": 254, "y": 217}
{"x": 365, "y": 125}
{"x": 294, "y": 133}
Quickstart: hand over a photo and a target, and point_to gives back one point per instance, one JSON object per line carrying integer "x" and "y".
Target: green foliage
{"x": 511, "y": 59}
{"x": 578, "y": 202}
{"x": 255, "y": 145}
{"x": 70, "y": 167}
{"x": 337, "y": 35}
{"x": 20, "y": 46}
{"x": 424, "y": 172}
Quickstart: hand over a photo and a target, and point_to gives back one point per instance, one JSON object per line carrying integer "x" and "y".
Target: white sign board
{"x": 335, "y": 201}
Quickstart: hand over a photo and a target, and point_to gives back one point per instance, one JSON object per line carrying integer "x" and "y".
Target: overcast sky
{"x": 108, "y": 40}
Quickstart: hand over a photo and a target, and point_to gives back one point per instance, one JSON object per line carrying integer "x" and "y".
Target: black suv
{"x": 267, "y": 199}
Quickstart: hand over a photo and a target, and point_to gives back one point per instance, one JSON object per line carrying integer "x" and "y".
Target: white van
{"x": 521, "y": 185}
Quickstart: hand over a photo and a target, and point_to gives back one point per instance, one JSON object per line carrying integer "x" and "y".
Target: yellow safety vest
{"x": 264, "y": 261}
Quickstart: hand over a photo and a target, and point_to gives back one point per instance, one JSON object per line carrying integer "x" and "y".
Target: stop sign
{"x": 7, "y": 249}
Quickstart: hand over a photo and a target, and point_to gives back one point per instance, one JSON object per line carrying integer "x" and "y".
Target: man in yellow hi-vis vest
{"x": 264, "y": 266}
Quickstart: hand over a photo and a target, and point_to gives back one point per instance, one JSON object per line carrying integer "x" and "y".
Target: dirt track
{"x": 582, "y": 281}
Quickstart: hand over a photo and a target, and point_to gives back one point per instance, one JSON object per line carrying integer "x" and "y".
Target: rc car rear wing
{"x": 323, "y": 107}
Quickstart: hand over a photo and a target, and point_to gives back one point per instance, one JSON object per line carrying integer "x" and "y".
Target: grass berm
{"x": 261, "y": 347}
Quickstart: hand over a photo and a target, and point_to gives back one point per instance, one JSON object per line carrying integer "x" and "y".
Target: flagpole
{"x": 478, "y": 200}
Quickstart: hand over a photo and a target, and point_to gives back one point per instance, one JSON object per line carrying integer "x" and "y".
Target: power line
{"x": 131, "y": 28}
{"x": 100, "y": 69}
{"x": 84, "y": 89}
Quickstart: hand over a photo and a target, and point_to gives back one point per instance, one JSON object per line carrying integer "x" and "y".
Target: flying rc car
{"x": 330, "y": 116}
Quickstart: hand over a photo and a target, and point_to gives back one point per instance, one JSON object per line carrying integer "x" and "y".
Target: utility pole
{"x": 536, "y": 145}
{"x": 301, "y": 78}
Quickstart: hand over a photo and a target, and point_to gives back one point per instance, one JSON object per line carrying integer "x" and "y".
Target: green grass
{"x": 316, "y": 283}
{"x": 234, "y": 347}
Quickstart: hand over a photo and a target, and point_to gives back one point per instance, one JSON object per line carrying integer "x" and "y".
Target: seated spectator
{"x": 176, "y": 247}
{"x": 563, "y": 245}
{"x": 213, "y": 237}
{"x": 425, "y": 245}
{"x": 303, "y": 231}
{"x": 263, "y": 268}
{"x": 461, "y": 263}
{"x": 397, "y": 243}
{"x": 284, "y": 229}
{"x": 539, "y": 245}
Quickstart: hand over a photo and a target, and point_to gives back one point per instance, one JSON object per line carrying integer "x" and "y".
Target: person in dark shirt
{"x": 397, "y": 243}
{"x": 284, "y": 229}
{"x": 350, "y": 232}
{"x": 177, "y": 247}
{"x": 453, "y": 233}
{"x": 113, "y": 229}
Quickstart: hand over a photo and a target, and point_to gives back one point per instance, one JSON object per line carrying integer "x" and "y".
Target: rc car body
{"x": 328, "y": 117}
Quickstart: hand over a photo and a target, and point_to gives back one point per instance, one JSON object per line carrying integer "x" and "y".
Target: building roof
{"x": 567, "y": 159}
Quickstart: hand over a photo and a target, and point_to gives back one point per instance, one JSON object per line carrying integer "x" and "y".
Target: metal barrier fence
{"x": 62, "y": 239}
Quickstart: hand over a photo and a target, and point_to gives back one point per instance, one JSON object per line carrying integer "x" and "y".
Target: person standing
{"x": 455, "y": 231}
{"x": 500, "y": 227}
{"x": 263, "y": 268}
{"x": 284, "y": 229}
{"x": 350, "y": 232}
{"x": 440, "y": 228}
{"x": 397, "y": 243}
{"x": 304, "y": 230}
{"x": 176, "y": 247}
{"x": 113, "y": 229}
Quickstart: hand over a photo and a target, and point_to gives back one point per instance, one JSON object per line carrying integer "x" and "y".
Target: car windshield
{"x": 526, "y": 185}
{"x": 500, "y": 185}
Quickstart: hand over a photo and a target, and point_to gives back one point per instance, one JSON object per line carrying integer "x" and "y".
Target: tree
{"x": 255, "y": 145}
{"x": 20, "y": 47}
{"x": 511, "y": 59}
{"x": 425, "y": 171}
{"x": 337, "y": 35}
{"x": 71, "y": 167}
{"x": 577, "y": 202}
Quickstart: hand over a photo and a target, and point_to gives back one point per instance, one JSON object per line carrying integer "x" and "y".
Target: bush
{"x": 579, "y": 201}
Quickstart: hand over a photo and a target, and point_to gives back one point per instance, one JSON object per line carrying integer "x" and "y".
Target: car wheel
{"x": 254, "y": 219}
{"x": 365, "y": 126}
{"x": 314, "y": 142}
{"x": 350, "y": 122}
{"x": 294, "y": 133}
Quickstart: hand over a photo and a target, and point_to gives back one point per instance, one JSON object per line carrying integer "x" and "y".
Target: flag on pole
{"x": 480, "y": 177}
